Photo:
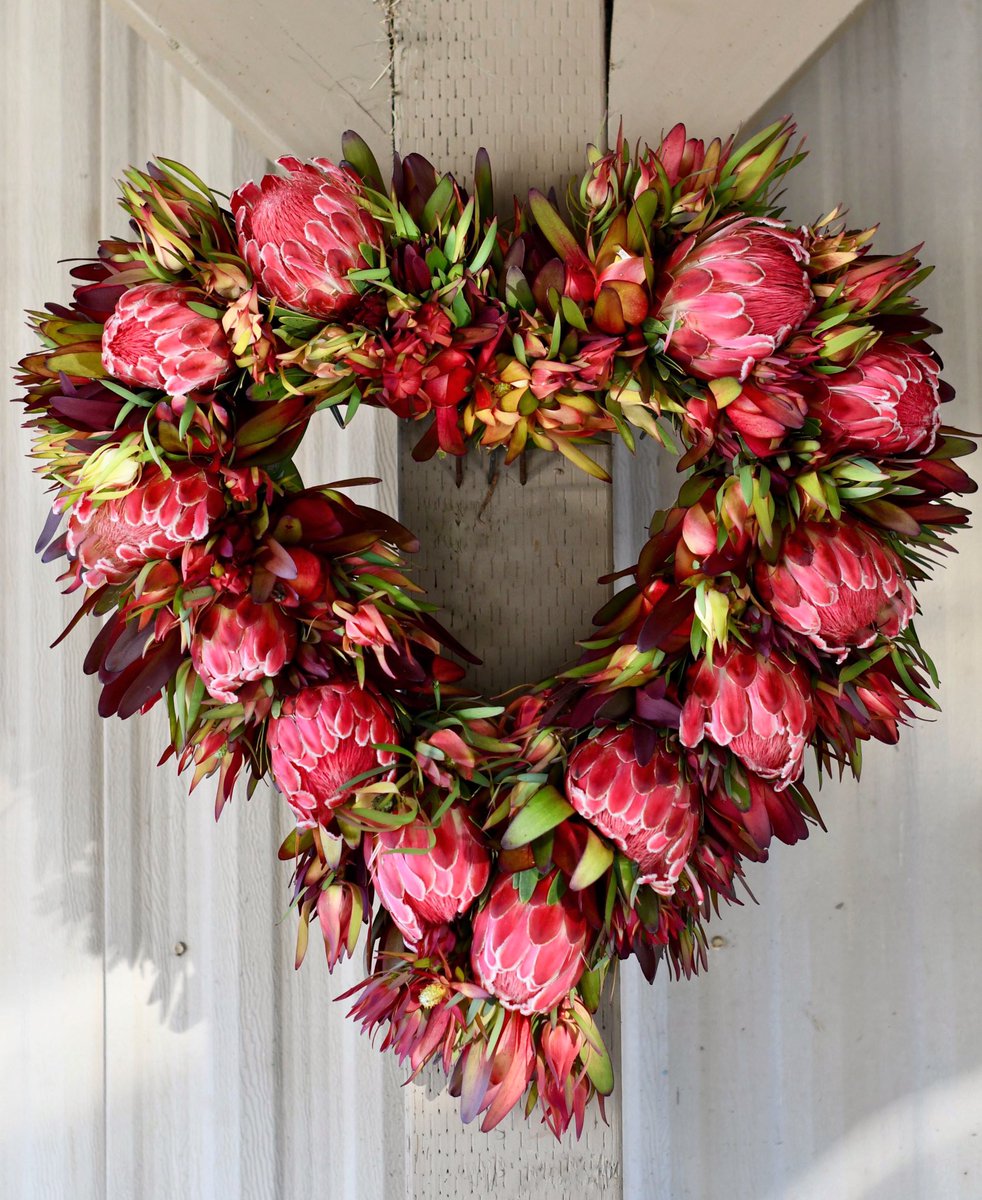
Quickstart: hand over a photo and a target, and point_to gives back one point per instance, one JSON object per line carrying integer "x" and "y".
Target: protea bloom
{"x": 236, "y": 642}
{"x": 887, "y": 402}
{"x": 111, "y": 541}
{"x": 324, "y": 737}
{"x": 649, "y": 810}
{"x": 837, "y": 585}
{"x": 732, "y": 297}
{"x": 155, "y": 339}
{"x": 761, "y": 708}
{"x": 300, "y": 234}
{"x": 529, "y": 955}
{"x": 423, "y": 891}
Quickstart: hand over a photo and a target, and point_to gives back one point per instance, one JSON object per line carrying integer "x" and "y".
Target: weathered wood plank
{"x": 51, "y": 919}
{"x": 291, "y": 74}
{"x": 699, "y": 61}
{"x": 516, "y": 569}
{"x": 832, "y": 1048}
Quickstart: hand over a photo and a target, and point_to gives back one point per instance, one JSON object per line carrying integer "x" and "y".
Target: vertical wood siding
{"x": 831, "y": 1050}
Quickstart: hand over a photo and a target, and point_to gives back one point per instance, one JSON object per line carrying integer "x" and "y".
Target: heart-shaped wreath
{"x": 501, "y": 858}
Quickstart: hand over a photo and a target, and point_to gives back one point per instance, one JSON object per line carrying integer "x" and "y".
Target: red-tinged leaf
{"x": 102, "y": 644}
{"x": 303, "y": 937}
{"x": 51, "y": 523}
{"x": 595, "y": 860}
{"x": 87, "y": 606}
{"x": 269, "y": 423}
{"x": 278, "y": 562}
{"x": 662, "y": 623}
{"x": 607, "y": 312}
{"x": 890, "y": 516}
{"x": 593, "y": 1053}
{"x": 358, "y": 154}
{"x": 474, "y": 1079}
{"x": 295, "y": 842}
{"x": 557, "y": 233}
{"x": 153, "y": 672}
{"x": 483, "y": 185}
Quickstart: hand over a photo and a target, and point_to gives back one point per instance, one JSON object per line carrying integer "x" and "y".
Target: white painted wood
{"x": 292, "y": 74}
{"x": 833, "y": 1050}
{"x": 227, "y": 1073}
{"x": 51, "y": 919}
{"x": 517, "y": 573}
{"x": 685, "y": 60}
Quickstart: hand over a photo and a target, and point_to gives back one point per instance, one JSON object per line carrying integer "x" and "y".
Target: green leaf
{"x": 543, "y": 811}
{"x": 526, "y": 883}
{"x": 589, "y": 988}
{"x": 595, "y": 861}
{"x": 86, "y": 364}
{"x": 438, "y": 203}
{"x": 593, "y": 1053}
{"x": 485, "y": 248}
{"x": 357, "y": 152}
{"x": 204, "y": 310}
{"x": 557, "y": 233}
{"x": 190, "y": 408}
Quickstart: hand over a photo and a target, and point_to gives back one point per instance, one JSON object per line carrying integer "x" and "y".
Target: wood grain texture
{"x": 685, "y": 60}
{"x": 52, "y": 1130}
{"x": 832, "y": 1050}
{"x": 291, "y": 74}
{"x": 515, "y": 570}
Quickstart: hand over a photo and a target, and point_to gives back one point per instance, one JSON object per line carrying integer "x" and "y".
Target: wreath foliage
{"x": 498, "y": 857}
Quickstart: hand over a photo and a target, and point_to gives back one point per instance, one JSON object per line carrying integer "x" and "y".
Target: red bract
{"x": 111, "y": 541}
{"x": 649, "y": 810}
{"x": 762, "y": 415}
{"x": 769, "y": 813}
{"x": 155, "y": 339}
{"x": 837, "y": 585}
{"x": 887, "y": 402}
{"x": 424, "y": 891}
{"x": 322, "y": 738}
{"x": 761, "y": 708}
{"x": 300, "y": 234}
{"x": 731, "y": 297}
{"x": 529, "y": 954}
{"x": 684, "y": 160}
{"x": 238, "y": 642}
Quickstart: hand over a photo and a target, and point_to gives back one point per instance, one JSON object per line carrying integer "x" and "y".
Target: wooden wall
{"x": 831, "y": 1051}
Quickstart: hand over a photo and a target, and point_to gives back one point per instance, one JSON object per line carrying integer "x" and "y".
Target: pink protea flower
{"x": 237, "y": 642}
{"x": 731, "y": 297}
{"x": 324, "y": 737}
{"x": 528, "y": 955}
{"x": 111, "y": 541}
{"x": 888, "y": 401}
{"x": 837, "y": 585}
{"x": 649, "y": 810}
{"x": 760, "y": 707}
{"x": 154, "y": 339}
{"x": 424, "y": 891}
{"x": 300, "y": 234}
